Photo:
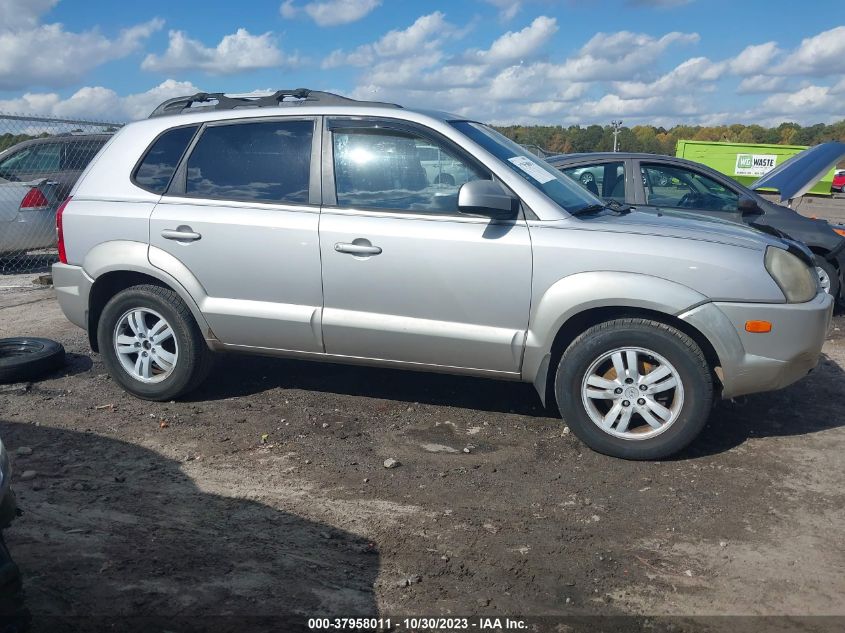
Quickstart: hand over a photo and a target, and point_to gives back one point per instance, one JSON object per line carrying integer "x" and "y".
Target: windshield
{"x": 560, "y": 188}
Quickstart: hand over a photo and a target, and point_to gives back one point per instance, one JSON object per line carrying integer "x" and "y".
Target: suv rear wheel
{"x": 151, "y": 343}
{"x": 634, "y": 388}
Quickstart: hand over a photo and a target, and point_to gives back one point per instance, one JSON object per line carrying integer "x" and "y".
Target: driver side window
{"x": 379, "y": 168}
{"x": 669, "y": 186}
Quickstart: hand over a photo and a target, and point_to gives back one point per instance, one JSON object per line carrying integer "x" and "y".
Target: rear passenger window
{"x": 156, "y": 170}
{"x": 254, "y": 162}
{"x": 605, "y": 180}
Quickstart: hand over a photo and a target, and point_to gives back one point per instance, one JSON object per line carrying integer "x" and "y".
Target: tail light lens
{"x": 60, "y": 233}
{"x": 34, "y": 200}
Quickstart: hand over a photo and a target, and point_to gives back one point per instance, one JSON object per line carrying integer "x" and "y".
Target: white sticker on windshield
{"x": 532, "y": 169}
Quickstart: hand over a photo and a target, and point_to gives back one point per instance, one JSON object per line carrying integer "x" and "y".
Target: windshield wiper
{"x": 620, "y": 207}
{"x": 592, "y": 208}
{"x": 611, "y": 205}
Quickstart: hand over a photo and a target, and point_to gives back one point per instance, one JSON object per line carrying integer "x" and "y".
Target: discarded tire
{"x": 25, "y": 358}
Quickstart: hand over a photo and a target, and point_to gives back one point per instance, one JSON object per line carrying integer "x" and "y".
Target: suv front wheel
{"x": 634, "y": 388}
{"x": 151, "y": 343}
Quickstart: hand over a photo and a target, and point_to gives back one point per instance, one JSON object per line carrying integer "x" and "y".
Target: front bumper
{"x": 72, "y": 289}
{"x": 752, "y": 363}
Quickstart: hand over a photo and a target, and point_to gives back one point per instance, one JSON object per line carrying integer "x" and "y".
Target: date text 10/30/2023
{"x": 417, "y": 624}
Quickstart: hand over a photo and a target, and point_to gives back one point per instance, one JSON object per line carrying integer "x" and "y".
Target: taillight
{"x": 60, "y": 237}
{"x": 33, "y": 200}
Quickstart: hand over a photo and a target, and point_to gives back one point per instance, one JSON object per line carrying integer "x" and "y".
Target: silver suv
{"x": 304, "y": 225}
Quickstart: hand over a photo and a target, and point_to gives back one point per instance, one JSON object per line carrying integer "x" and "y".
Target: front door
{"x": 240, "y": 215}
{"x": 675, "y": 187}
{"x": 405, "y": 276}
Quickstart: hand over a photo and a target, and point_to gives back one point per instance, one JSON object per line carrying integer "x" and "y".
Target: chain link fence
{"x": 40, "y": 160}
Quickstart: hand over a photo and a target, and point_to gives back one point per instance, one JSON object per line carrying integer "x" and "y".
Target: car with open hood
{"x": 305, "y": 225}
{"x": 650, "y": 181}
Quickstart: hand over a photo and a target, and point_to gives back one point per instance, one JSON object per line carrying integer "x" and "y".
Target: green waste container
{"x": 745, "y": 162}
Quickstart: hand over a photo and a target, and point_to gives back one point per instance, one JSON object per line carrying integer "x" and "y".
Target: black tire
{"x": 586, "y": 178}
{"x": 194, "y": 358}
{"x": 832, "y": 274}
{"x": 26, "y": 358}
{"x": 675, "y": 346}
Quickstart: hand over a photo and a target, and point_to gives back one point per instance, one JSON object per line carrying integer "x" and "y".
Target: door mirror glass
{"x": 487, "y": 198}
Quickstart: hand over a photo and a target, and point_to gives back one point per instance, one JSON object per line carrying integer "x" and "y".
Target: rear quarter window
{"x": 160, "y": 162}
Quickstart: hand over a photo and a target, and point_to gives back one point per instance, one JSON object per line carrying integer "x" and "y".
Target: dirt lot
{"x": 266, "y": 494}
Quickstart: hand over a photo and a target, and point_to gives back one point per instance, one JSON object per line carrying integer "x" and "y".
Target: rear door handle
{"x": 181, "y": 234}
{"x": 357, "y": 249}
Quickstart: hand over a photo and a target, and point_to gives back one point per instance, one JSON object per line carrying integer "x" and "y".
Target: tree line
{"x": 557, "y": 139}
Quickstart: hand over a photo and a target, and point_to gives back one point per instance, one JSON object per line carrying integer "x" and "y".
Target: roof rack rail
{"x": 220, "y": 101}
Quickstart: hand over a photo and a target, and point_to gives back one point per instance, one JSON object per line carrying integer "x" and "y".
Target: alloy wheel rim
{"x": 145, "y": 345}
{"x": 824, "y": 279}
{"x": 632, "y": 393}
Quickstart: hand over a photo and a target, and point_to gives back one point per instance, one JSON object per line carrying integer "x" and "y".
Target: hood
{"x": 672, "y": 223}
{"x": 796, "y": 176}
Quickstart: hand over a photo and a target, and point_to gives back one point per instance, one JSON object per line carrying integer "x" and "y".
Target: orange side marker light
{"x": 758, "y": 327}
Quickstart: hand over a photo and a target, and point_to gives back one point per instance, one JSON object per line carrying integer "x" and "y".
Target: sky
{"x": 560, "y": 62}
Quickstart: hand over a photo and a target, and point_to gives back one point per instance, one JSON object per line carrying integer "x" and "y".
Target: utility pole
{"x": 617, "y": 125}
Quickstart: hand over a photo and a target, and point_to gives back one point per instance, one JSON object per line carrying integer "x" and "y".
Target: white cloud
{"x": 330, "y": 12}
{"x": 620, "y": 56}
{"x": 23, "y": 14}
{"x": 425, "y": 35}
{"x": 819, "y": 55}
{"x": 811, "y": 99}
{"x": 98, "y": 103}
{"x": 515, "y": 45}
{"x": 507, "y": 8}
{"x": 758, "y": 84}
{"x": 239, "y": 51}
{"x": 33, "y": 54}
{"x": 693, "y": 74}
{"x": 754, "y": 59}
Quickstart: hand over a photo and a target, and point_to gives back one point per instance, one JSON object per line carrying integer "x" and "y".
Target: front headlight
{"x": 798, "y": 281}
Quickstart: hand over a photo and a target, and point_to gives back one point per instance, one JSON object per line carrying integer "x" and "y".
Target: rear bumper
{"x": 73, "y": 287}
{"x": 753, "y": 363}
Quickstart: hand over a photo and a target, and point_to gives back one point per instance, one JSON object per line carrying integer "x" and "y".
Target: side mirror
{"x": 748, "y": 206}
{"x": 488, "y": 199}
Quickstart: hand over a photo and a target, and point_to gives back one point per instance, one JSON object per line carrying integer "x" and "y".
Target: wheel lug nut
{"x": 626, "y": 403}
{"x": 628, "y": 381}
{"x": 643, "y": 387}
{"x": 618, "y": 390}
{"x": 641, "y": 401}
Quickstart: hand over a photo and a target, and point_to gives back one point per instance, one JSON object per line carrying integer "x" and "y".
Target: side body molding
{"x": 574, "y": 294}
{"x": 122, "y": 255}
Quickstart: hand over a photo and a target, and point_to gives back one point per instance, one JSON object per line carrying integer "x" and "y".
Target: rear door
{"x": 241, "y": 214}
{"x": 406, "y": 277}
{"x": 607, "y": 179}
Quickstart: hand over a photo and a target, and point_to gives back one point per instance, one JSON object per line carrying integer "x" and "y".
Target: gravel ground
{"x": 265, "y": 493}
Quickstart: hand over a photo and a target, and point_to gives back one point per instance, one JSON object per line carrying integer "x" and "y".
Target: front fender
{"x": 575, "y": 294}
{"x": 124, "y": 255}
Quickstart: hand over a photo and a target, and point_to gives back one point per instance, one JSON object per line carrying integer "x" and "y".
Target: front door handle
{"x": 357, "y": 249}
{"x": 181, "y": 234}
